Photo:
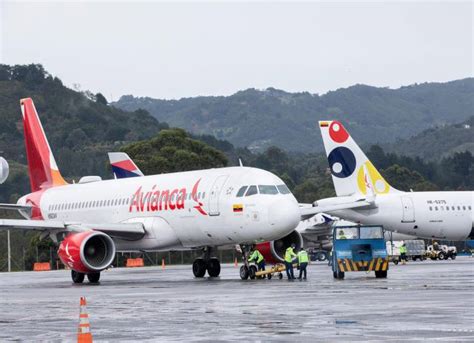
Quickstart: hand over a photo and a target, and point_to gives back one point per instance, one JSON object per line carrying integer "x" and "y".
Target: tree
{"x": 172, "y": 151}
{"x": 100, "y": 99}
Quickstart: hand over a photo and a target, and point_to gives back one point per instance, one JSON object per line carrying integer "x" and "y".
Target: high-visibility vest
{"x": 303, "y": 256}
{"x": 256, "y": 256}
{"x": 289, "y": 255}
{"x": 403, "y": 250}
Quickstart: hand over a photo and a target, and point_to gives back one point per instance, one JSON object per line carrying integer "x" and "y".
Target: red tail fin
{"x": 43, "y": 170}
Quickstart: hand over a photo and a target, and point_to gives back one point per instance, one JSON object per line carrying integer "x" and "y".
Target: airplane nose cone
{"x": 284, "y": 215}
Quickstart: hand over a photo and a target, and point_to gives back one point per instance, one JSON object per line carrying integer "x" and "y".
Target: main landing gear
{"x": 206, "y": 263}
{"x": 79, "y": 277}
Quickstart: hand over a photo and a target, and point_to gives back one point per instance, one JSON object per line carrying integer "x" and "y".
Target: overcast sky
{"x": 178, "y": 49}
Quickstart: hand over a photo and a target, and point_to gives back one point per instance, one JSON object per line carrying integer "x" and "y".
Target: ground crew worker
{"x": 403, "y": 253}
{"x": 302, "y": 263}
{"x": 289, "y": 257}
{"x": 258, "y": 258}
{"x": 342, "y": 235}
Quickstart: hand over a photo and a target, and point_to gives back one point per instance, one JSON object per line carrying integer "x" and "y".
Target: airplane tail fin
{"x": 352, "y": 172}
{"x": 123, "y": 166}
{"x": 42, "y": 167}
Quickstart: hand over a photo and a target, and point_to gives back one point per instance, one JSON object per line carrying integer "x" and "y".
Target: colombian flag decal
{"x": 238, "y": 208}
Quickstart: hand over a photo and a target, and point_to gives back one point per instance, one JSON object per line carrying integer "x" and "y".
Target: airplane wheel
{"x": 213, "y": 267}
{"x": 93, "y": 277}
{"x": 252, "y": 271}
{"x": 77, "y": 277}
{"x": 199, "y": 267}
{"x": 381, "y": 274}
{"x": 244, "y": 272}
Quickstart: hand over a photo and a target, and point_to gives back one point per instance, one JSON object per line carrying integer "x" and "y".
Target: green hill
{"x": 438, "y": 142}
{"x": 81, "y": 127}
{"x": 261, "y": 118}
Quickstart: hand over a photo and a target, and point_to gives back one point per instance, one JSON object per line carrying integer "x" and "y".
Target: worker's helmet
{"x": 254, "y": 246}
{"x": 293, "y": 245}
{"x": 341, "y": 232}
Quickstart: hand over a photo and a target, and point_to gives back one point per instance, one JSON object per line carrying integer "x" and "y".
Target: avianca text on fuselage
{"x": 163, "y": 200}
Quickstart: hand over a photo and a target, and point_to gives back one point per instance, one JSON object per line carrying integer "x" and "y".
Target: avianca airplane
{"x": 202, "y": 209}
{"x": 315, "y": 232}
{"x": 440, "y": 215}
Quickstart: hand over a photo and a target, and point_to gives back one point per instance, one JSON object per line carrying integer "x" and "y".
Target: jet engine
{"x": 274, "y": 251}
{"x": 87, "y": 252}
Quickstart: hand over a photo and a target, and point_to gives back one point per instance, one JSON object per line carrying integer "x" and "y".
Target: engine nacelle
{"x": 274, "y": 251}
{"x": 4, "y": 170}
{"x": 87, "y": 252}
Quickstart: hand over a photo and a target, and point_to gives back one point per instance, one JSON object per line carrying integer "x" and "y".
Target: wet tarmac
{"x": 418, "y": 301}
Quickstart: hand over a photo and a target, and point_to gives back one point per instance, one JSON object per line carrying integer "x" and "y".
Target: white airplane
{"x": 314, "y": 232}
{"x": 440, "y": 215}
{"x": 202, "y": 209}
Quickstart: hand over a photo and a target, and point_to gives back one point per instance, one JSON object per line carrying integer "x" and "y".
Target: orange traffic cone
{"x": 163, "y": 263}
{"x": 236, "y": 264}
{"x": 84, "y": 332}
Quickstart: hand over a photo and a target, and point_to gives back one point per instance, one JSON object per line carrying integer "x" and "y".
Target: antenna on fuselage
{"x": 240, "y": 162}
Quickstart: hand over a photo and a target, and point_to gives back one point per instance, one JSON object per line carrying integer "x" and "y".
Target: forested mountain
{"x": 438, "y": 142}
{"x": 261, "y": 118}
{"x": 80, "y": 126}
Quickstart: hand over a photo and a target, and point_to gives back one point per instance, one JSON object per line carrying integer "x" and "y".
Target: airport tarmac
{"x": 419, "y": 300}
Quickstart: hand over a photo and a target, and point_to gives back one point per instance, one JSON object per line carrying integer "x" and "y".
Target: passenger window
{"x": 453, "y": 208}
{"x": 267, "y": 189}
{"x": 469, "y": 207}
{"x": 442, "y": 208}
{"x": 251, "y": 191}
{"x": 431, "y": 208}
{"x": 241, "y": 191}
{"x": 283, "y": 189}
{"x": 203, "y": 195}
{"x": 436, "y": 208}
{"x": 459, "y": 208}
{"x": 447, "y": 208}
{"x": 464, "y": 208}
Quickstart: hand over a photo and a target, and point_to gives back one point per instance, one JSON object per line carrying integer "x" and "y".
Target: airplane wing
{"x": 308, "y": 212}
{"x": 128, "y": 231}
{"x": 15, "y": 207}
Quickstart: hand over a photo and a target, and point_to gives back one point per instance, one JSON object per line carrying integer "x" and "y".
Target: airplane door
{"x": 214, "y": 195}
{"x": 408, "y": 210}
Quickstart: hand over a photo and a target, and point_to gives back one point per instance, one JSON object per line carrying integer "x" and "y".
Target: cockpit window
{"x": 283, "y": 189}
{"x": 241, "y": 191}
{"x": 267, "y": 189}
{"x": 251, "y": 191}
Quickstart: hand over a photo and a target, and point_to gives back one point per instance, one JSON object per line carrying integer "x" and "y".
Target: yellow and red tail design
{"x": 42, "y": 167}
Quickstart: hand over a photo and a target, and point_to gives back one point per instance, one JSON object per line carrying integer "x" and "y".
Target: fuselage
{"x": 441, "y": 215}
{"x": 179, "y": 210}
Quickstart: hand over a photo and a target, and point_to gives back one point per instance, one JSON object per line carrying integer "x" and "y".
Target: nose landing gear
{"x": 207, "y": 263}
